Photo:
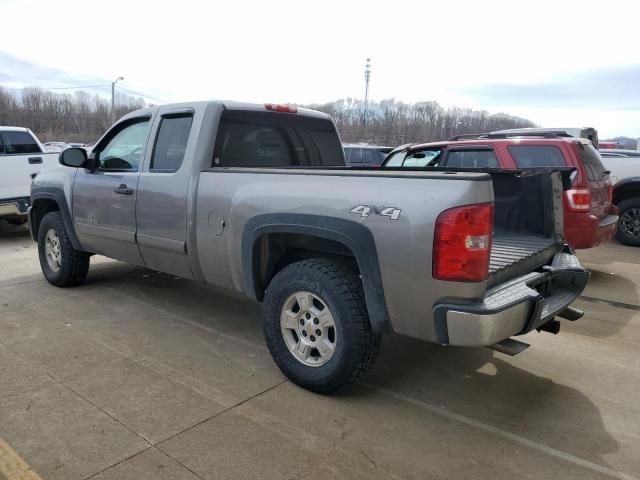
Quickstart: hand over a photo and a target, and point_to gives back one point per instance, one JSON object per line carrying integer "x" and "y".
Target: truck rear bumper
{"x": 515, "y": 307}
{"x": 14, "y": 207}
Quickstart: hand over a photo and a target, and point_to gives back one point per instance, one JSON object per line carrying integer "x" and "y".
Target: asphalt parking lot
{"x": 139, "y": 375}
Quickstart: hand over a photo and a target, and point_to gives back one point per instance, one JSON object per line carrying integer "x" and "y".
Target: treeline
{"x": 81, "y": 117}
{"x": 390, "y": 122}
{"x": 77, "y": 117}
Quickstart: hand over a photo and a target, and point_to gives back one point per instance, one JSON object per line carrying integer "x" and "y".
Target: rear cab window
{"x": 171, "y": 143}
{"x": 16, "y": 142}
{"x": 252, "y": 139}
{"x": 533, "y": 156}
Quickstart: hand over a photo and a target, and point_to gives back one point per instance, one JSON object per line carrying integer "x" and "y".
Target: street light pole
{"x": 367, "y": 76}
{"x": 113, "y": 97}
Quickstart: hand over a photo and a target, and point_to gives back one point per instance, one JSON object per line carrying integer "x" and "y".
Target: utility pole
{"x": 113, "y": 98}
{"x": 367, "y": 76}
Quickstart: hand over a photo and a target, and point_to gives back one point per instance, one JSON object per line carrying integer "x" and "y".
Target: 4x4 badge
{"x": 365, "y": 210}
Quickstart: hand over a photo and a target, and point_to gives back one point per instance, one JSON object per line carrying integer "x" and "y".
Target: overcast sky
{"x": 558, "y": 63}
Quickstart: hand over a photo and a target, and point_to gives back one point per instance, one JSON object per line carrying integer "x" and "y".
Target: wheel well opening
{"x": 39, "y": 209}
{"x": 274, "y": 251}
{"x": 625, "y": 192}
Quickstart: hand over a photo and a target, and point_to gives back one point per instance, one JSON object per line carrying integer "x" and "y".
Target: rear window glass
{"x": 472, "y": 159}
{"x": 1, "y": 145}
{"x": 532, "y": 156}
{"x": 171, "y": 143}
{"x": 19, "y": 142}
{"x": 266, "y": 139}
{"x": 591, "y": 160}
{"x": 353, "y": 156}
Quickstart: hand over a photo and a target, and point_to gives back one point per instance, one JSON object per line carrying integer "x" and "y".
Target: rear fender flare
{"x": 354, "y": 236}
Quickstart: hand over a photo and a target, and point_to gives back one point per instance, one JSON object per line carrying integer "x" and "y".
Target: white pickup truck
{"x": 22, "y": 157}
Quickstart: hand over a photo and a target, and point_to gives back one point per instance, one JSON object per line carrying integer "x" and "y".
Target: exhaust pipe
{"x": 572, "y": 314}
{"x": 509, "y": 346}
{"x": 552, "y": 326}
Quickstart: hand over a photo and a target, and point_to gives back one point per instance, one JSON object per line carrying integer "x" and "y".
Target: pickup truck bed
{"x": 510, "y": 251}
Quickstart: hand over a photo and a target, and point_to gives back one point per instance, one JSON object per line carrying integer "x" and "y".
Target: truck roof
{"x": 13, "y": 129}
{"x": 232, "y": 105}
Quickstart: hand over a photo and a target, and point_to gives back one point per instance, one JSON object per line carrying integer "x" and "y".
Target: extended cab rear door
{"x": 164, "y": 191}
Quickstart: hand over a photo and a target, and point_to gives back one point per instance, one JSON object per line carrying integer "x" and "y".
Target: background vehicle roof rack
{"x": 468, "y": 136}
{"x": 548, "y": 134}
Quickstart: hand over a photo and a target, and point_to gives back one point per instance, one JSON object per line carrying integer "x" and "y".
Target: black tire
{"x": 356, "y": 345}
{"x": 74, "y": 265}
{"x": 622, "y": 234}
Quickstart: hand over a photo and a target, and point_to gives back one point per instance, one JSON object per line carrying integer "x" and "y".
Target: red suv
{"x": 590, "y": 218}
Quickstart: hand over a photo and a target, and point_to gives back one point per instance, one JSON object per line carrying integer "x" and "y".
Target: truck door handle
{"x": 123, "y": 190}
{"x": 33, "y": 160}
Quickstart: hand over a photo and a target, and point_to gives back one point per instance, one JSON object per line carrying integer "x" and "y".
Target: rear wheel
{"x": 316, "y": 325}
{"x": 628, "y": 231}
{"x": 61, "y": 264}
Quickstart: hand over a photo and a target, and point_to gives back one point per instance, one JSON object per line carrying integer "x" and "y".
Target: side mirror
{"x": 73, "y": 157}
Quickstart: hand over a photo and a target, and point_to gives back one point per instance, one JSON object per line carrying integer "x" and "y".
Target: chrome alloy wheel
{"x": 308, "y": 329}
{"x": 629, "y": 222}
{"x": 52, "y": 250}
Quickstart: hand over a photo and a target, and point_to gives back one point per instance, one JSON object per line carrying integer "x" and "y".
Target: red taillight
{"x": 579, "y": 199}
{"x": 462, "y": 243}
{"x": 280, "y": 108}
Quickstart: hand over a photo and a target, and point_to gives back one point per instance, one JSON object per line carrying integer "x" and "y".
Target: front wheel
{"x": 628, "y": 232}
{"x": 316, "y": 325}
{"x": 61, "y": 264}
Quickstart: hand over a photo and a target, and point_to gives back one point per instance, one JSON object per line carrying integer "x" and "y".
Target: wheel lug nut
{"x": 313, "y": 339}
{"x": 316, "y": 321}
{"x": 304, "y": 334}
{"x": 302, "y": 321}
{"x": 318, "y": 332}
{"x": 308, "y": 315}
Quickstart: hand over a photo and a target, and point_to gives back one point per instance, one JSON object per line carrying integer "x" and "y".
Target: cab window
{"x": 16, "y": 142}
{"x": 171, "y": 143}
{"x": 124, "y": 150}
{"x": 468, "y": 158}
{"x": 423, "y": 158}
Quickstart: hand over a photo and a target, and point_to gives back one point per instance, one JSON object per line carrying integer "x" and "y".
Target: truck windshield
{"x": 267, "y": 139}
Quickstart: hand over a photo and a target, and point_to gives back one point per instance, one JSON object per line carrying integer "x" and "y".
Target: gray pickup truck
{"x": 256, "y": 198}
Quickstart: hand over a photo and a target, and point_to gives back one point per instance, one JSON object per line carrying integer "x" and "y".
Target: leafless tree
{"x": 390, "y": 122}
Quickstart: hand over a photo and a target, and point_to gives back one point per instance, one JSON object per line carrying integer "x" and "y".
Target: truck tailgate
{"x": 528, "y": 217}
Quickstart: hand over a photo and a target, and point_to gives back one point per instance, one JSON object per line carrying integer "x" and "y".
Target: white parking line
{"x": 595, "y": 467}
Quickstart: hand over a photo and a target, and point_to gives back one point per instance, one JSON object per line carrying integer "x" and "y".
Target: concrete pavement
{"x": 145, "y": 376}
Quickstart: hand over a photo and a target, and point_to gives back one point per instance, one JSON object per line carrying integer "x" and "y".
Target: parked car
{"x": 619, "y": 153}
{"x": 22, "y": 157}
{"x": 51, "y": 147}
{"x": 589, "y": 216}
{"x": 624, "y": 168}
{"x": 357, "y": 155}
{"x": 256, "y": 198}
